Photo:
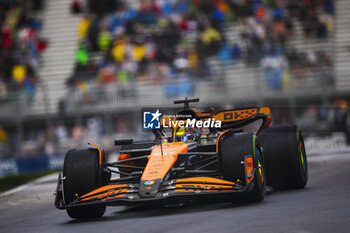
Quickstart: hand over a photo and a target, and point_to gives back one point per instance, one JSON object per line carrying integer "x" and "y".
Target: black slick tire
{"x": 285, "y": 157}
{"x": 234, "y": 147}
{"x": 82, "y": 174}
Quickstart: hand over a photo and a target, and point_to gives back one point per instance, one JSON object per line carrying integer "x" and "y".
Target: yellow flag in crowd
{"x": 119, "y": 51}
{"x": 138, "y": 52}
{"x": 19, "y": 73}
{"x": 83, "y": 28}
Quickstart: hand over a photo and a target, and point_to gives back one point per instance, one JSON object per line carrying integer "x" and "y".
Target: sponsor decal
{"x": 149, "y": 182}
{"x": 55, "y": 162}
{"x": 318, "y": 143}
{"x": 239, "y": 114}
{"x": 8, "y": 166}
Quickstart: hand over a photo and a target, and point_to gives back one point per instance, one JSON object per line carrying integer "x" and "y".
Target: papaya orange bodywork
{"x": 129, "y": 163}
{"x": 99, "y": 151}
{"x": 207, "y": 188}
{"x": 107, "y": 195}
{"x": 91, "y": 195}
{"x": 191, "y": 187}
{"x": 249, "y": 167}
{"x": 205, "y": 179}
{"x": 235, "y": 115}
{"x": 265, "y": 110}
{"x": 159, "y": 163}
{"x": 124, "y": 156}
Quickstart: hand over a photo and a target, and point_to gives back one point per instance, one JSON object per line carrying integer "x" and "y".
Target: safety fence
{"x": 33, "y": 164}
{"x": 314, "y": 144}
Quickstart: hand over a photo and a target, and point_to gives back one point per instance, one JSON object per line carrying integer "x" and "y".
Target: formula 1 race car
{"x": 237, "y": 161}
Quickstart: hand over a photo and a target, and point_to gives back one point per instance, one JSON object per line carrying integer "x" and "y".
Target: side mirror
{"x": 121, "y": 142}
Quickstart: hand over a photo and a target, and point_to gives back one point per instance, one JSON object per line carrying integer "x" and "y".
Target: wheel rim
{"x": 302, "y": 156}
{"x": 260, "y": 166}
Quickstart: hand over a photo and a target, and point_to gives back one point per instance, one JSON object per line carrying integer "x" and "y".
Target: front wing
{"x": 122, "y": 194}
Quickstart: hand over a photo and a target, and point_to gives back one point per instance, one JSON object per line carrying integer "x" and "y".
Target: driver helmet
{"x": 186, "y": 134}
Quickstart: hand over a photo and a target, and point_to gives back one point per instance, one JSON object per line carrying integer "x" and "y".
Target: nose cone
{"x": 159, "y": 163}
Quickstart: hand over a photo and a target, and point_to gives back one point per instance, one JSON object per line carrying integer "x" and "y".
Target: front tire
{"x": 82, "y": 174}
{"x": 234, "y": 147}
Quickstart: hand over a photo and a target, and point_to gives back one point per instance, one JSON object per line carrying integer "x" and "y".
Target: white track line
{"x": 45, "y": 179}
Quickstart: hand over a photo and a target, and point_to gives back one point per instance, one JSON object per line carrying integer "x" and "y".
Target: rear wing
{"x": 227, "y": 116}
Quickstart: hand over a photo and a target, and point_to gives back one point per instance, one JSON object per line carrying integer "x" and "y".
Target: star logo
{"x": 156, "y": 115}
{"x": 151, "y": 120}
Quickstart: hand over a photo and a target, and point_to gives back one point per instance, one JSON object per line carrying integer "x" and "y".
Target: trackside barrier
{"x": 317, "y": 143}
{"x": 34, "y": 164}
{"x": 11, "y": 166}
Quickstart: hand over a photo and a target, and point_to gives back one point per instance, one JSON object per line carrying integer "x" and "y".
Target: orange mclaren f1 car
{"x": 238, "y": 161}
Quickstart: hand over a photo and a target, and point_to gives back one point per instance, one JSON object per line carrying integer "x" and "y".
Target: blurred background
{"x": 73, "y": 71}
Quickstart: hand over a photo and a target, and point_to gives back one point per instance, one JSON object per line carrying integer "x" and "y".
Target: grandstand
{"x": 341, "y": 46}
{"x": 239, "y": 80}
{"x": 22, "y": 43}
{"x": 267, "y": 54}
{"x": 60, "y": 29}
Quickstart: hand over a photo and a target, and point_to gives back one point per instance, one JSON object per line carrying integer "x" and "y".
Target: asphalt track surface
{"x": 324, "y": 206}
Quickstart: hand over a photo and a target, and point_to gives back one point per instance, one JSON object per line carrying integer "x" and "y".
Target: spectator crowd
{"x": 268, "y": 26}
{"x": 173, "y": 42}
{"x": 20, "y": 46}
{"x": 156, "y": 42}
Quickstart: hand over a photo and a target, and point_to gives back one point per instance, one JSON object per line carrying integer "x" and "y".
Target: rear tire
{"x": 233, "y": 149}
{"x": 82, "y": 174}
{"x": 285, "y": 157}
